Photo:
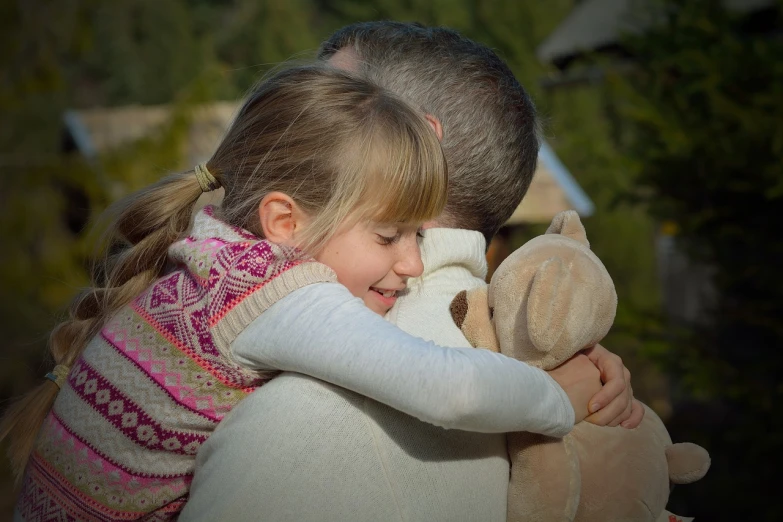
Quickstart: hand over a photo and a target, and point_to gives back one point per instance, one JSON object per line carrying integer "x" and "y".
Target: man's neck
{"x": 452, "y": 247}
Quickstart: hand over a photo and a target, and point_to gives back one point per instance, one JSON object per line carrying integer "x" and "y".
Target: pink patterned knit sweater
{"x": 121, "y": 440}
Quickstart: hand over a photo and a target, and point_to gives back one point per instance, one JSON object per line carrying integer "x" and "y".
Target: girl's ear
{"x": 281, "y": 218}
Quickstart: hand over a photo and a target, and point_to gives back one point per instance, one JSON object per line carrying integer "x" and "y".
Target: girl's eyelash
{"x": 385, "y": 240}
{"x": 420, "y": 233}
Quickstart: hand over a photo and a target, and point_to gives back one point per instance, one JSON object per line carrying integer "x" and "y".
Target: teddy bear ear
{"x": 471, "y": 313}
{"x": 459, "y": 308}
{"x": 548, "y": 304}
{"x": 567, "y": 223}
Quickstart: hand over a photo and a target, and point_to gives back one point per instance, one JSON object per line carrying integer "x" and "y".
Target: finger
{"x": 625, "y": 415}
{"x": 637, "y": 414}
{"x": 614, "y": 409}
{"x": 613, "y": 389}
{"x": 596, "y": 419}
{"x": 609, "y": 364}
{"x": 607, "y": 416}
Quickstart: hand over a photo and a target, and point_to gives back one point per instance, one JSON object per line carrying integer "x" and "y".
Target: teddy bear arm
{"x": 688, "y": 462}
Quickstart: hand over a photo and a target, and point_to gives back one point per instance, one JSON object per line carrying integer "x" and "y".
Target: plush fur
{"x": 548, "y": 300}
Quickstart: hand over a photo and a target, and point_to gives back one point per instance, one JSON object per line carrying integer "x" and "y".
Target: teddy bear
{"x": 548, "y": 300}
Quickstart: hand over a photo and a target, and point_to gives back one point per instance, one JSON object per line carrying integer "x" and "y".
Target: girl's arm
{"x": 323, "y": 331}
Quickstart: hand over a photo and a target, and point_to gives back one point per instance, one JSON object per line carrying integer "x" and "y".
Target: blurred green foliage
{"x": 702, "y": 119}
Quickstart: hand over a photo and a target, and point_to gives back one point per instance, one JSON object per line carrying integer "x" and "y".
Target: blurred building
{"x": 597, "y": 26}
{"x": 94, "y": 131}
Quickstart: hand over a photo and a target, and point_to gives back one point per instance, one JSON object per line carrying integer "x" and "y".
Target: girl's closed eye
{"x": 389, "y": 240}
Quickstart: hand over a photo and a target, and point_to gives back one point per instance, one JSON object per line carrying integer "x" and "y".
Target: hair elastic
{"x": 205, "y": 178}
{"x": 58, "y": 375}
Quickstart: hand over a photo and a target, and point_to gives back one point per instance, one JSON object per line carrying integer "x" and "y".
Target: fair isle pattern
{"x": 185, "y": 378}
{"x": 71, "y": 457}
{"x": 121, "y": 439}
{"x": 238, "y": 270}
{"x": 67, "y": 503}
{"x": 127, "y": 416}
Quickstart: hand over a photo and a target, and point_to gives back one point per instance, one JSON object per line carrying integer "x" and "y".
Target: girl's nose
{"x": 409, "y": 263}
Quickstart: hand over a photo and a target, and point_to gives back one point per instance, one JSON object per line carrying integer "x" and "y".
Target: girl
{"x": 336, "y": 176}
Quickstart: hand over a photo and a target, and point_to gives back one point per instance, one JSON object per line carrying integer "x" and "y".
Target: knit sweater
{"x": 300, "y": 449}
{"x": 149, "y": 389}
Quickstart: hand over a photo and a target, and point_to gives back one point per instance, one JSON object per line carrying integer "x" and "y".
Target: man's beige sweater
{"x": 300, "y": 449}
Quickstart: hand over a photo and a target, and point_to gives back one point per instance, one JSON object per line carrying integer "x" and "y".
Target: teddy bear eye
{"x": 491, "y": 312}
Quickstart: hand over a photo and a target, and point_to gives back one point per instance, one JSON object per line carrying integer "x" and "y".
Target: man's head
{"x": 490, "y": 131}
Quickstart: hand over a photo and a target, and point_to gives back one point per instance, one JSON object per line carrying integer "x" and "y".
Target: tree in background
{"x": 703, "y": 113}
{"x": 141, "y": 51}
{"x": 56, "y": 56}
{"x": 46, "y": 197}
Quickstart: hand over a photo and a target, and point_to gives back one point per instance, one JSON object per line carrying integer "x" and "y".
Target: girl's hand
{"x": 614, "y": 404}
{"x": 581, "y": 380}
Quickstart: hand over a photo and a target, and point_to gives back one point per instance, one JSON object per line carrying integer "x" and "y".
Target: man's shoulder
{"x": 312, "y": 398}
{"x": 279, "y": 451}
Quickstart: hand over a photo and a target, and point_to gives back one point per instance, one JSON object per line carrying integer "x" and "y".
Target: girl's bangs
{"x": 396, "y": 173}
{"x": 407, "y": 181}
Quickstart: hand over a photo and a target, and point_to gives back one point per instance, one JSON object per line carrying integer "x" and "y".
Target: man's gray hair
{"x": 490, "y": 130}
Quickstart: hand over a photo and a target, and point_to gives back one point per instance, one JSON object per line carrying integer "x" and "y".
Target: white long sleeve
{"x": 323, "y": 331}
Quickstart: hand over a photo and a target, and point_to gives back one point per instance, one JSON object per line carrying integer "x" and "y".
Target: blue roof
{"x": 573, "y": 192}
{"x": 80, "y": 135}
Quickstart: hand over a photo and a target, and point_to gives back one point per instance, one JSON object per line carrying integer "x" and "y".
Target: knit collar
{"x": 208, "y": 223}
{"x": 212, "y": 240}
{"x": 452, "y": 247}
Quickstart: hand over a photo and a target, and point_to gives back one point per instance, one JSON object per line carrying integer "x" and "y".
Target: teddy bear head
{"x": 549, "y": 299}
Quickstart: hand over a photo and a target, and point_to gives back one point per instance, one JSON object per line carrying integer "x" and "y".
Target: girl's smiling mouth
{"x": 384, "y": 293}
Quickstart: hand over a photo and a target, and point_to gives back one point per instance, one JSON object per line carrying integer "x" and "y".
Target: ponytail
{"x": 139, "y": 231}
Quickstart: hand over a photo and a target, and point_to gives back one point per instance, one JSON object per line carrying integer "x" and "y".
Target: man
{"x": 300, "y": 449}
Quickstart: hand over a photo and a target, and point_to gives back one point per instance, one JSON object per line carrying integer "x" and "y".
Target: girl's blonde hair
{"x": 339, "y": 146}
{"x": 342, "y": 148}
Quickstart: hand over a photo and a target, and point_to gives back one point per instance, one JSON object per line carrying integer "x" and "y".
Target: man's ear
{"x": 435, "y": 124}
{"x": 281, "y": 218}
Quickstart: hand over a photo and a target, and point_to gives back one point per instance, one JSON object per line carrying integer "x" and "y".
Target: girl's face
{"x": 374, "y": 261}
